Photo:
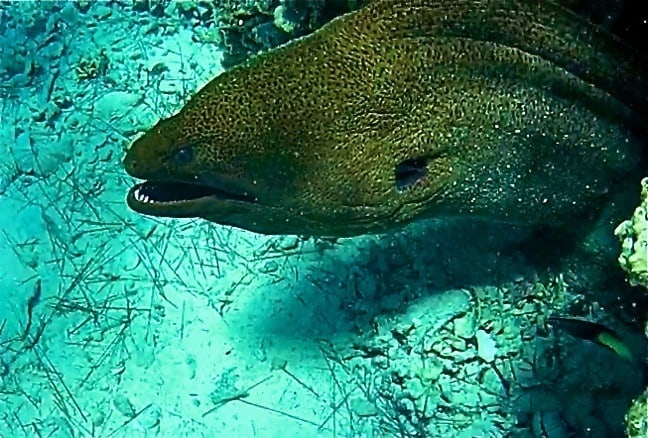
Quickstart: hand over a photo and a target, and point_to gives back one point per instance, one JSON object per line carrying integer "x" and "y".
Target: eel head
{"x": 233, "y": 169}
{"x": 291, "y": 142}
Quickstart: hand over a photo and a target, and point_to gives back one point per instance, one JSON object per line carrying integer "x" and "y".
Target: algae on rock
{"x": 634, "y": 260}
{"x": 633, "y": 234}
{"x": 637, "y": 417}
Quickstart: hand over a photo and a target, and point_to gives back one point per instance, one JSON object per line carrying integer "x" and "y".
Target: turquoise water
{"x": 113, "y": 324}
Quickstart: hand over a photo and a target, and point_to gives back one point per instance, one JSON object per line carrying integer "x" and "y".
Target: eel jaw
{"x": 179, "y": 199}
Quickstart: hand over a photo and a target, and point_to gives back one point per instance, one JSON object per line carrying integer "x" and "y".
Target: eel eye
{"x": 409, "y": 172}
{"x": 183, "y": 156}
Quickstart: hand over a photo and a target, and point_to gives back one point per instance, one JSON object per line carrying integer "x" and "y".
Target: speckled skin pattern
{"x": 520, "y": 111}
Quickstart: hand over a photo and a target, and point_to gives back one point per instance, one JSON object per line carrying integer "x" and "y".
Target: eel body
{"x": 509, "y": 110}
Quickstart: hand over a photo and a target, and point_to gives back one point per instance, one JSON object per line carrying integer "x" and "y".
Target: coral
{"x": 637, "y": 417}
{"x": 633, "y": 234}
{"x": 246, "y": 27}
{"x": 634, "y": 260}
{"x": 92, "y": 66}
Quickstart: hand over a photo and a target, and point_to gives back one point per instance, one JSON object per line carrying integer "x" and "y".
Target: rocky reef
{"x": 633, "y": 234}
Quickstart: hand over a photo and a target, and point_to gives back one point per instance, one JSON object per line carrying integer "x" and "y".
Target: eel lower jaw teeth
{"x": 153, "y": 193}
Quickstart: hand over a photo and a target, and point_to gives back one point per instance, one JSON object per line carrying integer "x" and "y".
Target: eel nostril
{"x": 130, "y": 165}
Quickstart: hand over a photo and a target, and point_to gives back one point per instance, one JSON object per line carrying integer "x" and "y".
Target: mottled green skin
{"x": 521, "y": 110}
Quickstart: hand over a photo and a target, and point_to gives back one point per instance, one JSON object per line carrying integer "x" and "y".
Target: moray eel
{"x": 511, "y": 111}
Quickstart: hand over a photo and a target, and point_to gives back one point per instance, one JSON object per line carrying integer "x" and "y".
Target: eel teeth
{"x": 140, "y": 197}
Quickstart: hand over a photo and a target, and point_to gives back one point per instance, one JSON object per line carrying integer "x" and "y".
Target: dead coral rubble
{"x": 245, "y": 27}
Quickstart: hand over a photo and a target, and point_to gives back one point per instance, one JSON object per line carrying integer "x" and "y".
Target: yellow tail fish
{"x": 593, "y": 332}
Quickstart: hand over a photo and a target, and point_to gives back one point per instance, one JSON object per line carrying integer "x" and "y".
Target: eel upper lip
{"x": 154, "y": 192}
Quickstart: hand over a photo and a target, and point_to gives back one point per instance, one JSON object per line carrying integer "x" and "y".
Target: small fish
{"x": 593, "y": 332}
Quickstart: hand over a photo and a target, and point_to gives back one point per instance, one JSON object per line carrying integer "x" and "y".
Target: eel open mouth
{"x": 150, "y": 195}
